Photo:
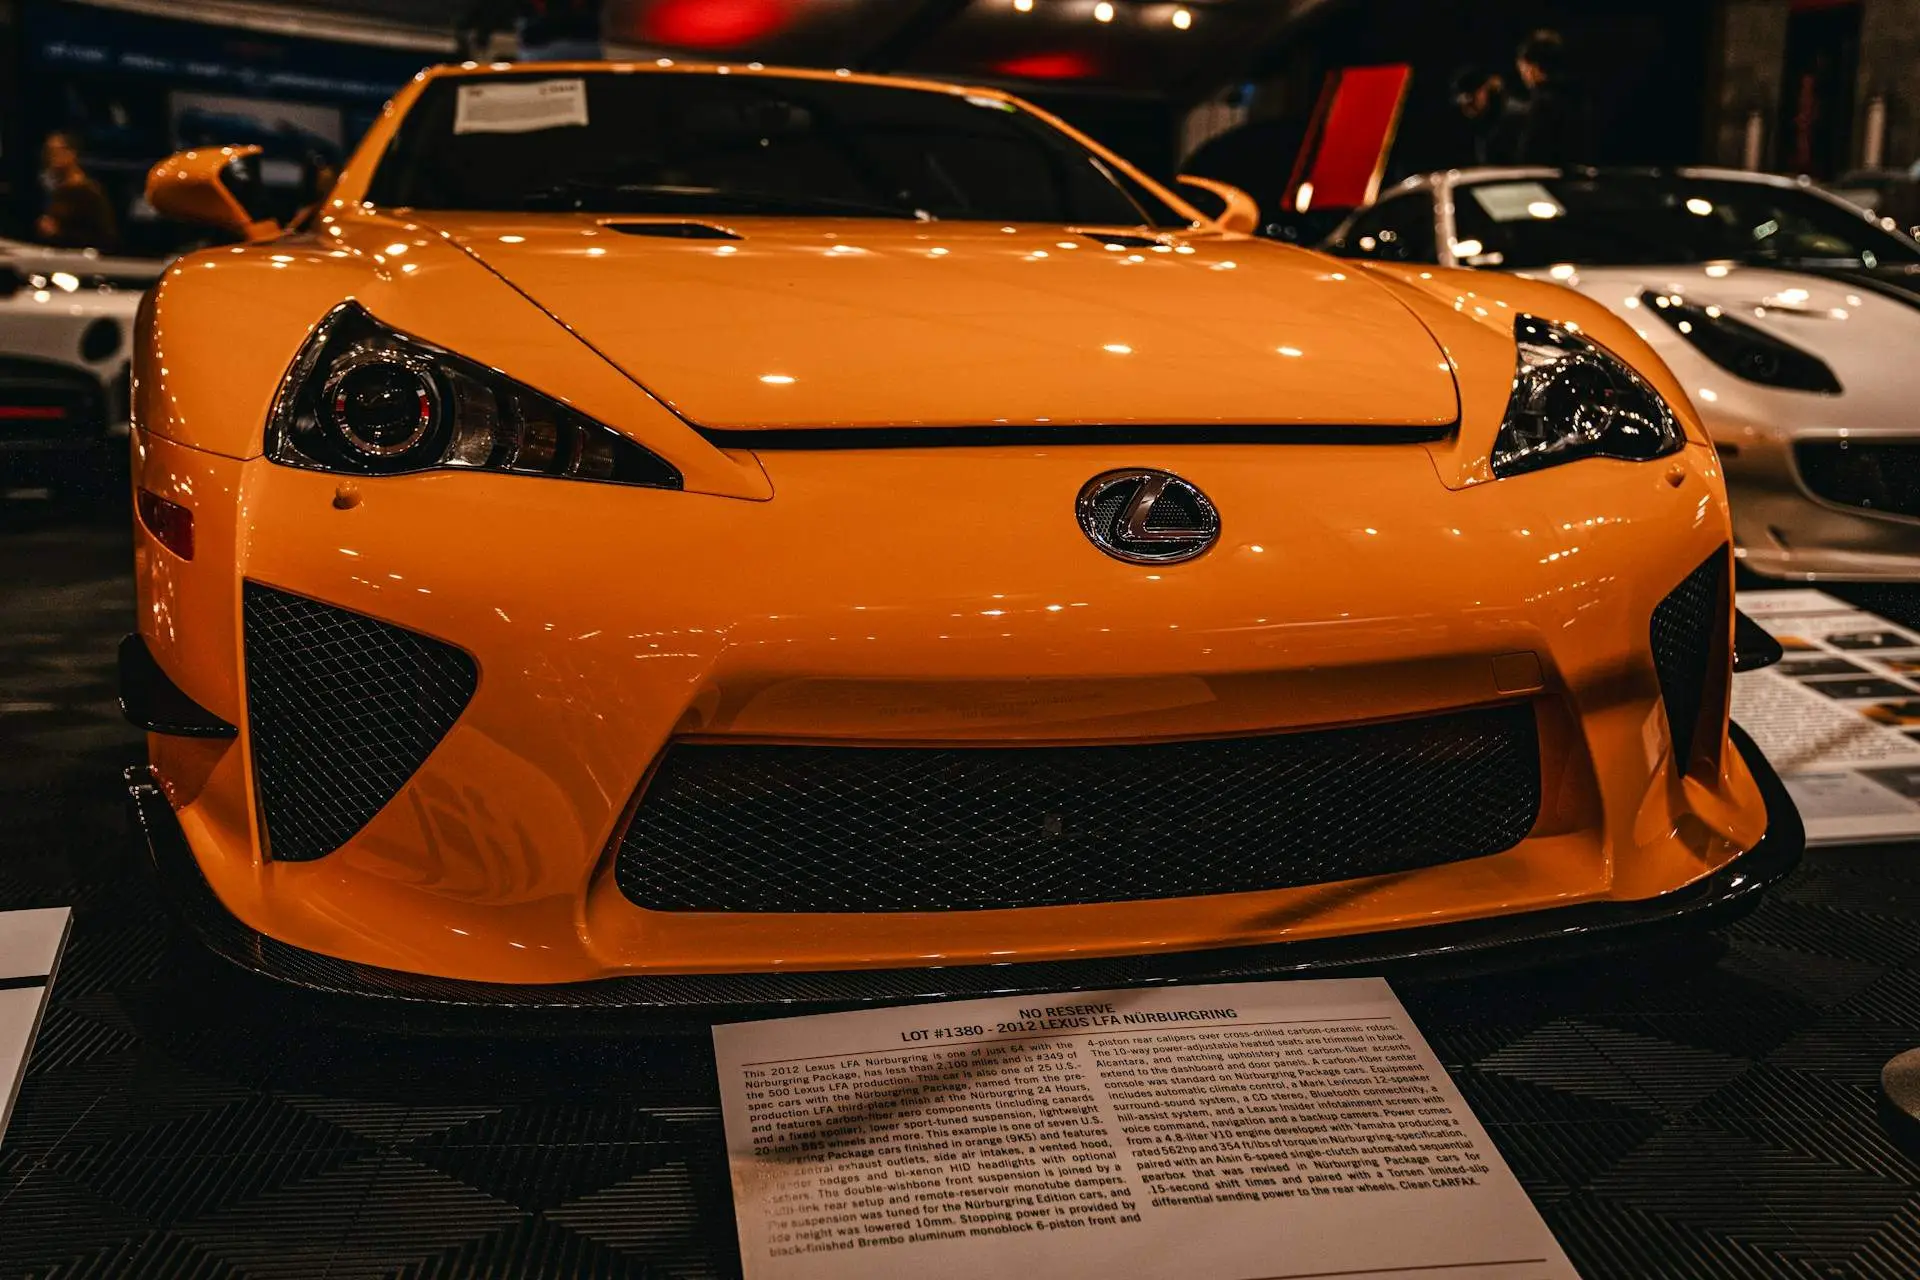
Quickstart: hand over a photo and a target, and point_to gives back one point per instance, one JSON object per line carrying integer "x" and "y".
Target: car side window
{"x": 1398, "y": 229}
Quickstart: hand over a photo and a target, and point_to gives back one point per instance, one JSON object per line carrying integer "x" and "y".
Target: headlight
{"x": 366, "y": 399}
{"x": 1741, "y": 349}
{"x": 1573, "y": 399}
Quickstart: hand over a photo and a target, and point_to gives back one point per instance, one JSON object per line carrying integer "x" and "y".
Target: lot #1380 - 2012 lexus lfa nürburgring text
{"x": 669, "y": 537}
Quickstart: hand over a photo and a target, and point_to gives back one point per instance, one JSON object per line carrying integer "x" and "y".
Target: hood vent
{"x": 672, "y": 230}
{"x": 1123, "y": 240}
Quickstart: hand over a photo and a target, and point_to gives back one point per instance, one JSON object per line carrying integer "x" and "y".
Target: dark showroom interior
{"x": 846, "y": 639}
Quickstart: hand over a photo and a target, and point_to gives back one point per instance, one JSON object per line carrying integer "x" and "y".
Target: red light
{"x": 1065, "y": 65}
{"x": 712, "y": 24}
{"x": 32, "y": 413}
{"x": 169, "y": 522}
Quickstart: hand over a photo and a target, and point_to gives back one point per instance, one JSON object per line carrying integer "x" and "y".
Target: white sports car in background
{"x": 66, "y": 326}
{"x": 1791, "y": 316}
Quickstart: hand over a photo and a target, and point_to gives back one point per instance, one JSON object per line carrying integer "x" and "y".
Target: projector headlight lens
{"x": 1573, "y": 399}
{"x": 383, "y": 406}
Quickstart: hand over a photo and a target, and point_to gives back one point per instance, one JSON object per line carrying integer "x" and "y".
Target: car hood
{"x": 802, "y": 323}
{"x": 1854, "y": 319}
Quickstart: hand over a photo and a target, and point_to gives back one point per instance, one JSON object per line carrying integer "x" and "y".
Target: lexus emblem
{"x": 1147, "y": 517}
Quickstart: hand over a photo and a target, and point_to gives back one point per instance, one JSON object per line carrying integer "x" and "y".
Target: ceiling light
{"x": 1103, "y": 12}
{"x": 1182, "y": 19}
{"x": 1024, "y": 6}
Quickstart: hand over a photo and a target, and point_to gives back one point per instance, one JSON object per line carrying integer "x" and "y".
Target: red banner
{"x": 1346, "y": 148}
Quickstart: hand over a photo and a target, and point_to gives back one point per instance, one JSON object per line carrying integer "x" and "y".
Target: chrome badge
{"x": 1147, "y": 517}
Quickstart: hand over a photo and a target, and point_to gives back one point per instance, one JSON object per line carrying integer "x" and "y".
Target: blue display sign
{"x": 88, "y": 39}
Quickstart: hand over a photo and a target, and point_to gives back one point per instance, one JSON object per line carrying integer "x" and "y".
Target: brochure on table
{"x": 1839, "y": 716}
{"x": 30, "y": 944}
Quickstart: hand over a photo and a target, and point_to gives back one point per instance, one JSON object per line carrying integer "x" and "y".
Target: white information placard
{"x": 1256, "y": 1131}
{"x": 30, "y": 944}
{"x": 1839, "y": 716}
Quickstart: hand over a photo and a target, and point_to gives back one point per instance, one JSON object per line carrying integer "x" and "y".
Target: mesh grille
{"x": 859, "y": 829}
{"x": 1683, "y": 630}
{"x": 1874, "y": 477}
{"x": 341, "y": 710}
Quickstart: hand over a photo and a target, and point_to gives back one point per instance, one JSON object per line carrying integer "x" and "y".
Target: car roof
{"x": 680, "y": 66}
{"x": 1519, "y": 173}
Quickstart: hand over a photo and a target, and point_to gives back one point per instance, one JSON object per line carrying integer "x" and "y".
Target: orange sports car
{"x": 688, "y": 536}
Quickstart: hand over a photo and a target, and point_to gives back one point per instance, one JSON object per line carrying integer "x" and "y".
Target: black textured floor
{"x": 1708, "y": 1112}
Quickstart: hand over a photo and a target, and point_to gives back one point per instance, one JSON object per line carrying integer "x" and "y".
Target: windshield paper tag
{"x": 520, "y": 107}
{"x": 1515, "y": 201}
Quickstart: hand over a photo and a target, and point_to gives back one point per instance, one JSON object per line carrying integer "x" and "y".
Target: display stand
{"x": 1900, "y": 1096}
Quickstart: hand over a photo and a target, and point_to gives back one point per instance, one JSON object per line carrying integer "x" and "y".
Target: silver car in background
{"x": 1791, "y": 316}
{"x": 66, "y": 334}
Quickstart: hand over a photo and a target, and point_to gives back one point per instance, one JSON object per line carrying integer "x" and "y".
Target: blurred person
{"x": 1491, "y": 117}
{"x": 78, "y": 214}
{"x": 1553, "y": 125}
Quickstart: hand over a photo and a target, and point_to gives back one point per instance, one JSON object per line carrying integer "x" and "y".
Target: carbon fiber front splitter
{"x": 1537, "y": 936}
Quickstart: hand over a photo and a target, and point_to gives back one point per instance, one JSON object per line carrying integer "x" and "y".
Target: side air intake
{"x": 341, "y": 710}
{"x": 1683, "y": 633}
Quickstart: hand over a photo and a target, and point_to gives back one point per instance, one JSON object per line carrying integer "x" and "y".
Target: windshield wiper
{"x": 580, "y": 194}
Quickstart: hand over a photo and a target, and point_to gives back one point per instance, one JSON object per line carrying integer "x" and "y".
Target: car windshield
{"x": 1624, "y": 221}
{"x": 673, "y": 143}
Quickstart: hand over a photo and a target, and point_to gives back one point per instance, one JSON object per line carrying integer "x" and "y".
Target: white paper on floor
{"x": 1839, "y": 716}
{"x": 30, "y": 943}
{"x": 1270, "y": 1130}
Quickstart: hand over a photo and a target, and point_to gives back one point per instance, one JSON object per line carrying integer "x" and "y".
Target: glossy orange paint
{"x": 818, "y": 596}
{"x": 976, "y": 324}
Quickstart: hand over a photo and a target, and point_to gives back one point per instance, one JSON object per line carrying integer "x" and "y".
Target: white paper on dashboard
{"x": 1514, "y": 201}
{"x": 520, "y": 106}
{"x": 1257, "y": 1131}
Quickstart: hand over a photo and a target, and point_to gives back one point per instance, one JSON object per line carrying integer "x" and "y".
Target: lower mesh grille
{"x": 1871, "y": 476}
{"x": 1683, "y": 631}
{"x": 862, "y": 829}
{"x": 341, "y": 710}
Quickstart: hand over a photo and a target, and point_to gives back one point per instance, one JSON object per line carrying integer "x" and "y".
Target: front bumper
{"x": 608, "y": 625}
{"x": 1784, "y": 529}
{"x": 1556, "y": 934}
